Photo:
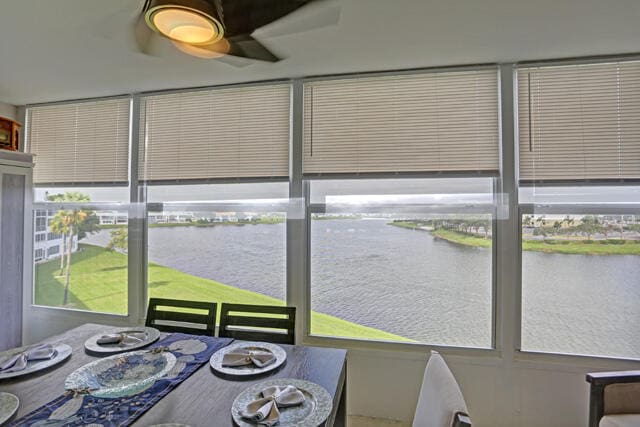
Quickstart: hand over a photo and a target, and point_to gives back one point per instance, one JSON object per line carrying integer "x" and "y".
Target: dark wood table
{"x": 202, "y": 400}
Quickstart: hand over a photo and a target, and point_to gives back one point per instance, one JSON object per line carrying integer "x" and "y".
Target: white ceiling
{"x": 66, "y": 49}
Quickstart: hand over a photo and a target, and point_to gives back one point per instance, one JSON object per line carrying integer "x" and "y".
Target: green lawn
{"x": 585, "y": 247}
{"x": 98, "y": 283}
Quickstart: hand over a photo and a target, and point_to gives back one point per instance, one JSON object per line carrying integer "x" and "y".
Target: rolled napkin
{"x": 18, "y": 362}
{"x": 244, "y": 356}
{"x": 121, "y": 338}
{"x": 265, "y": 410}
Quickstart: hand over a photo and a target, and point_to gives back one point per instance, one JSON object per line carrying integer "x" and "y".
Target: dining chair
{"x": 440, "y": 403}
{"x": 250, "y": 322}
{"x": 614, "y": 399}
{"x": 188, "y": 318}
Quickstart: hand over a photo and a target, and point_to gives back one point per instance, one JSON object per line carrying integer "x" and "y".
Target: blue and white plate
{"x": 122, "y": 374}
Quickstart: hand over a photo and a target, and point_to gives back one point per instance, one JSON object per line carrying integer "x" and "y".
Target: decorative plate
{"x": 151, "y": 335}
{"x": 8, "y": 406}
{"x": 62, "y": 352}
{"x": 122, "y": 374}
{"x": 216, "y": 358}
{"x": 314, "y": 411}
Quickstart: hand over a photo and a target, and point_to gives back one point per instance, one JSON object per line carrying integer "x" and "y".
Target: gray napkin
{"x": 122, "y": 338}
{"x": 265, "y": 410}
{"x": 244, "y": 356}
{"x": 18, "y": 362}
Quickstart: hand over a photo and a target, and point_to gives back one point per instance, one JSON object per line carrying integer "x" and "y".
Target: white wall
{"x": 9, "y": 111}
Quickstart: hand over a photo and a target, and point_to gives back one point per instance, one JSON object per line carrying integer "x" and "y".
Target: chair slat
{"x": 245, "y": 321}
{"x": 207, "y": 320}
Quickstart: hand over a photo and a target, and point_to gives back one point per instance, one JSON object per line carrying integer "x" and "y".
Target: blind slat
{"x": 434, "y": 122}
{"x": 224, "y": 133}
{"x": 85, "y": 142}
{"x": 579, "y": 121}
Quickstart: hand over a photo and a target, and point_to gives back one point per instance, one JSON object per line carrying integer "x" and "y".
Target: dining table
{"x": 204, "y": 399}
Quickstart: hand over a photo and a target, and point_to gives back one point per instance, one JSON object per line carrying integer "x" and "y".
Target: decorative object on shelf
{"x": 33, "y": 362}
{"x": 312, "y": 412}
{"x": 9, "y": 404}
{"x": 9, "y": 134}
{"x": 238, "y": 358}
{"x": 121, "y": 340}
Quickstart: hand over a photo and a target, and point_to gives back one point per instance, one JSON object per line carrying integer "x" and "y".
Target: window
{"x": 579, "y": 158}
{"x": 211, "y": 236}
{"x": 403, "y": 260}
{"x": 384, "y": 252}
{"x": 82, "y": 150}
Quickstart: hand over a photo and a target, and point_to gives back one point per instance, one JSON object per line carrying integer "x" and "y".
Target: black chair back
{"x": 239, "y": 321}
{"x": 163, "y": 319}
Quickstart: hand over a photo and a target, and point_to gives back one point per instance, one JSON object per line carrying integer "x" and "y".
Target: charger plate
{"x": 151, "y": 335}
{"x": 121, "y": 374}
{"x": 62, "y": 352}
{"x": 216, "y": 358}
{"x": 312, "y": 412}
{"x": 9, "y": 404}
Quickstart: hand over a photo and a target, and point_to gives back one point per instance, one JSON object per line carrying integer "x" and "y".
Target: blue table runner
{"x": 191, "y": 352}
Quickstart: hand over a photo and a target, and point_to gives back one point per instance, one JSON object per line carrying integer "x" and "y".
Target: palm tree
{"x": 73, "y": 220}
{"x": 58, "y": 226}
{"x": 71, "y": 223}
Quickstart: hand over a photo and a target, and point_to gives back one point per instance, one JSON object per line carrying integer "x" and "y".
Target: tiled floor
{"x": 358, "y": 421}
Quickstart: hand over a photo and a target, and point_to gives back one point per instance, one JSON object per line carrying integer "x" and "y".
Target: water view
{"x": 416, "y": 284}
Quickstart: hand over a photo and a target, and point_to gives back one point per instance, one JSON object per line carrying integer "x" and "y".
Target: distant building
{"x": 47, "y": 245}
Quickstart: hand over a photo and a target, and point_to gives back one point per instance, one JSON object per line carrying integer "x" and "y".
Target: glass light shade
{"x": 186, "y": 26}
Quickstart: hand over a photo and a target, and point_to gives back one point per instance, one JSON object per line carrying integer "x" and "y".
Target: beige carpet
{"x": 358, "y": 421}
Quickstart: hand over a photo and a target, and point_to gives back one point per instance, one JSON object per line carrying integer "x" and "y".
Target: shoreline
{"x": 567, "y": 247}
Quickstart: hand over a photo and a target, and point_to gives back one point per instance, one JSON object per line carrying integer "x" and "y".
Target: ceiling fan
{"x": 215, "y": 28}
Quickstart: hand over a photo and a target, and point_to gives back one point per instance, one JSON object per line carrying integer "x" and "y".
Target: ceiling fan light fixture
{"x": 186, "y": 21}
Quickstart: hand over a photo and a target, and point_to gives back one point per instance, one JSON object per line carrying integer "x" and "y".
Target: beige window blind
{"x": 434, "y": 122}
{"x": 84, "y": 142}
{"x": 233, "y": 133}
{"x": 579, "y": 122}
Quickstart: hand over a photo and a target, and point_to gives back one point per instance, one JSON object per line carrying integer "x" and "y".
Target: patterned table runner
{"x": 191, "y": 352}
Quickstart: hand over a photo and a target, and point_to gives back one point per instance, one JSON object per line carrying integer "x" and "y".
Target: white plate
{"x": 152, "y": 334}
{"x": 216, "y": 358}
{"x": 8, "y": 406}
{"x": 311, "y": 413}
{"x": 121, "y": 374}
{"x": 62, "y": 351}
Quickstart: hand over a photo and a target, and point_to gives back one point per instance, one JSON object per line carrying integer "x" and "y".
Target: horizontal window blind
{"x": 240, "y": 132}
{"x": 84, "y": 142}
{"x": 579, "y": 122}
{"x": 434, "y": 122}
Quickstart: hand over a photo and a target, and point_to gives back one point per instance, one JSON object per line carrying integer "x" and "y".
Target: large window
{"x": 386, "y": 255}
{"x": 579, "y": 162}
{"x": 212, "y": 237}
{"x": 403, "y": 260}
{"x": 81, "y": 178}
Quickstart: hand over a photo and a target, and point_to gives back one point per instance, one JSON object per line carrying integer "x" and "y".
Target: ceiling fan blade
{"x": 246, "y": 46}
{"x": 312, "y": 16}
